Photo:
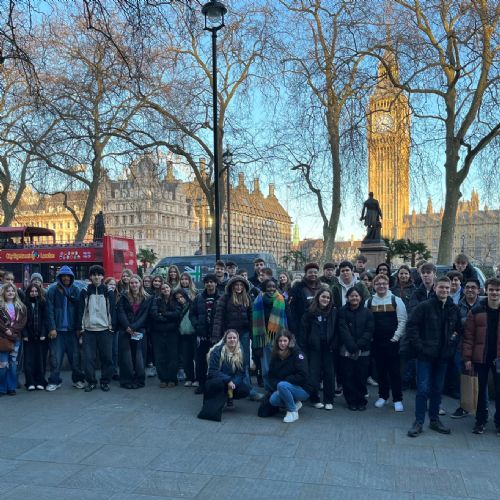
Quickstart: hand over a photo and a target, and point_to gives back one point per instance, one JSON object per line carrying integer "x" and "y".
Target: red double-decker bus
{"x": 26, "y": 250}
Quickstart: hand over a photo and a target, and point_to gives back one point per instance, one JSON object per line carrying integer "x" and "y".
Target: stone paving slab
{"x": 148, "y": 444}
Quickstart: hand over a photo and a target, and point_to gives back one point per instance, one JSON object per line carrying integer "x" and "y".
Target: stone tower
{"x": 389, "y": 149}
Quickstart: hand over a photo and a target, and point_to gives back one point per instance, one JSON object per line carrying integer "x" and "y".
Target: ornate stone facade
{"x": 389, "y": 151}
{"x": 258, "y": 223}
{"x": 151, "y": 209}
{"x": 50, "y": 212}
{"x": 477, "y": 232}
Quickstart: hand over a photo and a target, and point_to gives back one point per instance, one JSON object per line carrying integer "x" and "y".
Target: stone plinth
{"x": 375, "y": 253}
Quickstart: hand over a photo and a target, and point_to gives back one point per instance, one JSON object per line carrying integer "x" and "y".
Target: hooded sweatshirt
{"x": 62, "y": 303}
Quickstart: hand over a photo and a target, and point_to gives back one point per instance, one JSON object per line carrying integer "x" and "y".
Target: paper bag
{"x": 468, "y": 392}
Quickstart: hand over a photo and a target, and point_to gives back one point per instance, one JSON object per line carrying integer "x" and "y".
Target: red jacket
{"x": 476, "y": 335}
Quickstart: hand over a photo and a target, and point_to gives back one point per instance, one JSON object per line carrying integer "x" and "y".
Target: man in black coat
{"x": 432, "y": 335}
{"x": 300, "y": 298}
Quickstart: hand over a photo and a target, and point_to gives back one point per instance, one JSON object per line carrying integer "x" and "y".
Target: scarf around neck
{"x": 277, "y": 320}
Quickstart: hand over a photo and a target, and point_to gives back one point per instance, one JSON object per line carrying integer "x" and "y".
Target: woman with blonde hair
{"x": 226, "y": 379}
{"x": 12, "y": 322}
{"x": 173, "y": 276}
{"x": 132, "y": 312}
{"x": 234, "y": 312}
{"x": 186, "y": 283}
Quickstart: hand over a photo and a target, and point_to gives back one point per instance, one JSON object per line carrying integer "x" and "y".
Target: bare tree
{"x": 325, "y": 80}
{"x": 84, "y": 88}
{"x": 449, "y": 60}
{"x": 175, "y": 85}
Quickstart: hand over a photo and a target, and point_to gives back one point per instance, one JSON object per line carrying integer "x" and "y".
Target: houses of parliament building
{"x": 477, "y": 230}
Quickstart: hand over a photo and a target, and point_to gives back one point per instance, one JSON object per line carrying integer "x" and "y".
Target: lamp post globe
{"x": 214, "y": 12}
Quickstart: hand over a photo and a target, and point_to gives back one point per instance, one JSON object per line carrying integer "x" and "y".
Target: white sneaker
{"x": 291, "y": 416}
{"x": 31, "y": 388}
{"x": 151, "y": 371}
{"x": 52, "y": 387}
{"x": 442, "y": 411}
{"x": 40, "y": 387}
{"x": 188, "y": 383}
{"x": 398, "y": 406}
{"x": 319, "y": 406}
{"x": 380, "y": 403}
{"x": 79, "y": 385}
{"x": 328, "y": 406}
{"x": 298, "y": 405}
{"x": 196, "y": 384}
{"x": 371, "y": 381}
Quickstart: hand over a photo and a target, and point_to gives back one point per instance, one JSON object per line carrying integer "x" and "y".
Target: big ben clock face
{"x": 383, "y": 122}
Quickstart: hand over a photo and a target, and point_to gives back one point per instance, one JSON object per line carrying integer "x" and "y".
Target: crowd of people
{"x": 314, "y": 339}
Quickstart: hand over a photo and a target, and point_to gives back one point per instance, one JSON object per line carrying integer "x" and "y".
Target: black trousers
{"x": 166, "y": 347}
{"x": 483, "y": 371}
{"x": 388, "y": 364}
{"x": 321, "y": 366}
{"x": 35, "y": 361}
{"x": 188, "y": 347}
{"x": 354, "y": 375}
{"x": 202, "y": 349}
{"x": 131, "y": 355}
{"x": 94, "y": 344}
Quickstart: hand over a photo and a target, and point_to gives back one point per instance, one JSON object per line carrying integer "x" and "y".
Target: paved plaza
{"x": 148, "y": 444}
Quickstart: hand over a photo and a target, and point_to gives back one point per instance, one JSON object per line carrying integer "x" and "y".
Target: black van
{"x": 200, "y": 265}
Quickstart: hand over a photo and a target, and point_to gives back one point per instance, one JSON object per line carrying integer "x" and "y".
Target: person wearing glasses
{"x": 389, "y": 313}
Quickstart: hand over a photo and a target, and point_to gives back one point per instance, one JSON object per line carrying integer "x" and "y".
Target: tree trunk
{"x": 90, "y": 203}
{"x": 8, "y": 213}
{"x": 330, "y": 229}
{"x": 447, "y": 236}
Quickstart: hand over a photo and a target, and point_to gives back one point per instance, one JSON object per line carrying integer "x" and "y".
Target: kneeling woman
{"x": 288, "y": 376}
{"x": 226, "y": 377}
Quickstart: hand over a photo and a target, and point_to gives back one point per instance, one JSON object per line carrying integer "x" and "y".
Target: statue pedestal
{"x": 375, "y": 253}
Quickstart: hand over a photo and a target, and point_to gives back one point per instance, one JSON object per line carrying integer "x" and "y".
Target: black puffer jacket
{"x": 164, "y": 317}
{"x": 356, "y": 328}
{"x": 404, "y": 292}
{"x": 292, "y": 369}
{"x": 430, "y": 330}
{"x": 228, "y": 315}
{"x": 419, "y": 296}
{"x": 127, "y": 318}
{"x": 36, "y": 319}
{"x": 298, "y": 305}
{"x": 198, "y": 316}
{"x": 311, "y": 328}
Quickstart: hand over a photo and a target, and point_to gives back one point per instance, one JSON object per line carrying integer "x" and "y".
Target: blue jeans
{"x": 65, "y": 343}
{"x": 286, "y": 395}
{"x": 430, "y": 380}
{"x": 264, "y": 364}
{"x": 8, "y": 369}
{"x": 245, "y": 346}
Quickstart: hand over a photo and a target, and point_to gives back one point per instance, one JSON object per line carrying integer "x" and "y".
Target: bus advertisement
{"x": 23, "y": 253}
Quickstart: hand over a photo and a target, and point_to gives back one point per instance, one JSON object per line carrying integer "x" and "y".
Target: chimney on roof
{"x": 256, "y": 187}
{"x": 241, "y": 179}
{"x": 271, "y": 189}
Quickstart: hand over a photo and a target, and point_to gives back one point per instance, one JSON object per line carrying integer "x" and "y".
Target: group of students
{"x": 313, "y": 339}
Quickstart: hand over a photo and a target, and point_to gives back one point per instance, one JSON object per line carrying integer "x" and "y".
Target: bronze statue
{"x": 371, "y": 215}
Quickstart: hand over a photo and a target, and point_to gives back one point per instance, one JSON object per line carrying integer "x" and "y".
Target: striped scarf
{"x": 277, "y": 320}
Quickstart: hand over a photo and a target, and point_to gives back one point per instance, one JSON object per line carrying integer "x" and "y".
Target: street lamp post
{"x": 214, "y": 12}
{"x": 228, "y": 161}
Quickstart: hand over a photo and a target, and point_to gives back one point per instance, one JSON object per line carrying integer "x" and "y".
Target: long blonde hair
{"x": 18, "y": 303}
{"x": 235, "y": 358}
{"x": 192, "y": 291}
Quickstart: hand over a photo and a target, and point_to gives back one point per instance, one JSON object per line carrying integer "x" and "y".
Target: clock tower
{"x": 389, "y": 150}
